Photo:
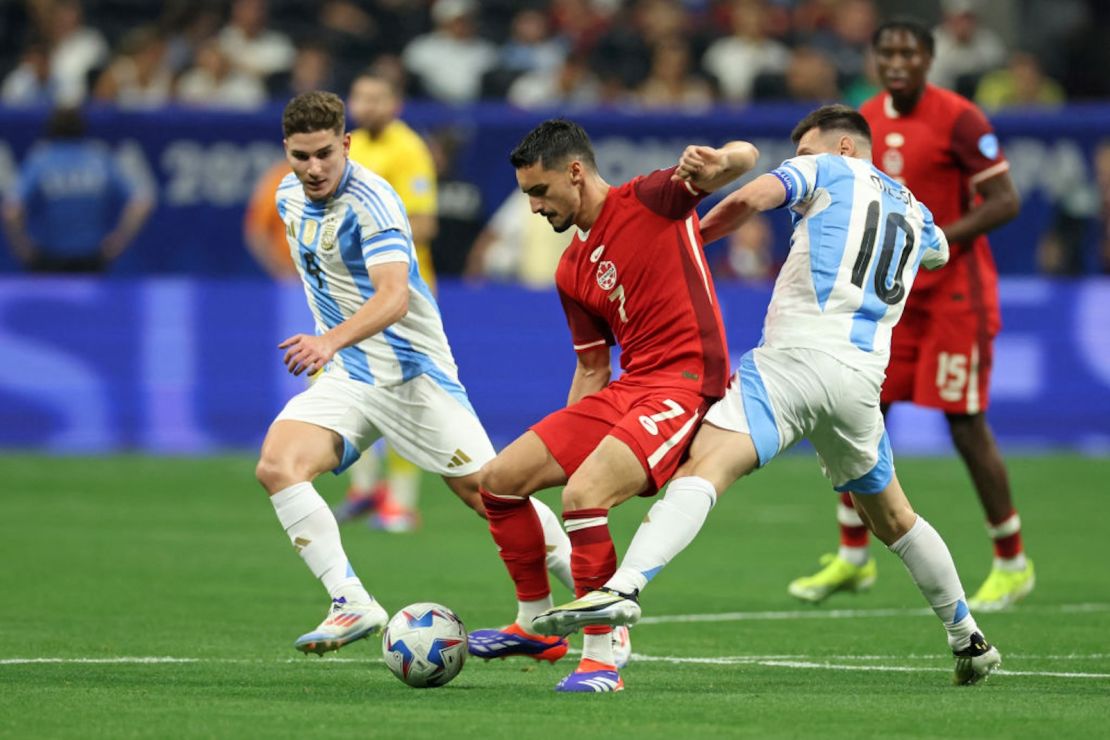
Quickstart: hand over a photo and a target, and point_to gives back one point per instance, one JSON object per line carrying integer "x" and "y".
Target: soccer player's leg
{"x": 852, "y": 569}
{"x": 855, "y": 451}
{"x": 312, "y": 435}
{"x": 959, "y": 358}
{"x": 507, "y": 483}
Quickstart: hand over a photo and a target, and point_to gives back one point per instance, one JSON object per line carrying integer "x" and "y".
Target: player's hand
{"x": 306, "y": 353}
{"x": 697, "y": 163}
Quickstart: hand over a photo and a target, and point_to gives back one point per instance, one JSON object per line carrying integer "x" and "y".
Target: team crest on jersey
{"x": 596, "y": 254}
{"x": 606, "y": 275}
{"x": 328, "y": 233}
{"x": 893, "y": 162}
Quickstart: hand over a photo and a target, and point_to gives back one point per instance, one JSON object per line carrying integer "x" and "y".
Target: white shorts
{"x": 780, "y": 396}
{"x": 432, "y": 426}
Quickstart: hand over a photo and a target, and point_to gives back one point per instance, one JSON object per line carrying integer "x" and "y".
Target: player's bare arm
{"x": 388, "y": 305}
{"x": 591, "y": 374}
{"x": 708, "y": 168}
{"x": 1000, "y": 204}
{"x": 761, "y": 194}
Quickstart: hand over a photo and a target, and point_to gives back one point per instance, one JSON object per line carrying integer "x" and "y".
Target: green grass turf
{"x": 140, "y": 557}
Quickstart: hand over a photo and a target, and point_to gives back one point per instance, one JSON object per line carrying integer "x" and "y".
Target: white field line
{"x": 817, "y": 613}
{"x": 803, "y": 662}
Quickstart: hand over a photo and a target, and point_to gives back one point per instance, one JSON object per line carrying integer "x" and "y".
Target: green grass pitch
{"x": 146, "y": 597}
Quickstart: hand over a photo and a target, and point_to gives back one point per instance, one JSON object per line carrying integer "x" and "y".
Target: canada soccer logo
{"x": 606, "y": 275}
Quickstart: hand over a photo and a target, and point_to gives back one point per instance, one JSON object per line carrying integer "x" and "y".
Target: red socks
{"x": 517, "y": 531}
{"x": 593, "y": 558}
{"x": 853, "y": 532}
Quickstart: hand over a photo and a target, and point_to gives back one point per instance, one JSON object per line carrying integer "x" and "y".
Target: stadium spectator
{"x": 529, "y": 49}
{"x": 815, "y": 375}
{"x": 139, "y": 76}
{"x": 943, "y": 148}
{"x": 737, "y": 59}
{"x": 630, "y": 277}
{"x": 671, "y": 81}
{"x": 72, "y": 209}
{"x": 747, "y": 254}
{"x": 515, "y": 246}
{"x": 809, "y": 77}
{"x": 571, "y": 85}
{"x": 371, "y": 310}
{"x": 213, "y": 82}
{"x": 847, "y": 40}
{"x": 76, "y": 50}
{"x": 450, "y": 61}
{"x": 313, "y": 69}
{"x": 30, "y": 83}
{"x": 965, "y": 49}
{"x": 251, "y": 45}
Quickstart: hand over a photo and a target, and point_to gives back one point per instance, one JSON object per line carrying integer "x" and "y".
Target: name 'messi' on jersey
{"x": 335, "y": 243}
{"x": 859, "y": 239}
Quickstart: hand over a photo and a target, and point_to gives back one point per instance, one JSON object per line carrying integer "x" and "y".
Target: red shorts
{"x": 657, "y": 424}
{"x": 942, "y": 359}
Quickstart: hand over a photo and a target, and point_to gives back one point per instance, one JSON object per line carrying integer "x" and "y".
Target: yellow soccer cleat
{"x": 1003, "y": 589}
{"x": 837, "y": 574}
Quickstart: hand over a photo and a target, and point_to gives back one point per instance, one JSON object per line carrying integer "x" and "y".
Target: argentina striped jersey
{"x": 859, "y": 238}
{"x": 334, "y": 243}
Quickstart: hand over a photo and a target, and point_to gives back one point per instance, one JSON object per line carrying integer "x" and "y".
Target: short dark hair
{"x": 374, "y": 72}
{"x": 836, "y": 117}
{"x": 313, "y": 111}
{"x": 552, "y": 143}
{"x": 912, "y": 26}
{"x": 66, "y": 122}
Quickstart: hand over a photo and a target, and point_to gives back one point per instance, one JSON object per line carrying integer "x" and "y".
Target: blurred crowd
{"x": 650, "y": 53}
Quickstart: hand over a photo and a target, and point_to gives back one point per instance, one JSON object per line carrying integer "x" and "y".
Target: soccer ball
{"x": 425, "y": 645}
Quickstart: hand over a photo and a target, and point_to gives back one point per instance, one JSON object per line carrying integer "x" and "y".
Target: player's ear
{"x": 846, "y": 146}
{"x": 346, "y": 143}
{"x": 575, "y": 171}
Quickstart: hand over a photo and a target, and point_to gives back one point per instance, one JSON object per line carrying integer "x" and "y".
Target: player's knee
{"x": 275, "y": 473}
{"x": 583, "y": 497}
{"x": 501, "y": 479}
{"x": 965, "y": 430}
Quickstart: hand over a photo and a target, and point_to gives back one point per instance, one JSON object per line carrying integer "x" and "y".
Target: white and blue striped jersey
{"x": 334, "y": 243}
{"x": 859, "y": 239}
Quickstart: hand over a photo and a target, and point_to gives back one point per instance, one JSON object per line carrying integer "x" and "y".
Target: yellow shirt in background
{"x": 403, "y": 160}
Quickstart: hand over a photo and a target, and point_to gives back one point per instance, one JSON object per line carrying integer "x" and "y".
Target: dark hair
{"x": 836, "y": 117}
{"x": 313, "y": 111}
{"x": 912, "y": 26}
{"x": 552, "y": 143}
{"x": 65, "y": 123}
{"x": 374, "y": 72}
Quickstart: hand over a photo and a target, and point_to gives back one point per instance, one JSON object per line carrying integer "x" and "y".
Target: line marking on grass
{"x": 804, "y": 662}
{"x": 817, "y": 613}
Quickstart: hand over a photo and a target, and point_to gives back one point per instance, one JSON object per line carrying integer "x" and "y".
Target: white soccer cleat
{"x": 345, "y": 623}
{"x": 603, "y": 606}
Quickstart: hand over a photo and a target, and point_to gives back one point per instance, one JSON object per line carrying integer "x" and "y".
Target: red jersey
{"x": 639, "y": 277}
{"x": 940, "y": 150}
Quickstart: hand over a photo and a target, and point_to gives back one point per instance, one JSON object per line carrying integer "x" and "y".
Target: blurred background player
{"x": 263, "y": 229}
{"x": 944, "y": 149}
{"x": 72, "y": 208}
{"x": 388, "y": 147}
{"x": 816, "y": 374}
{"x": 353, "y": 249}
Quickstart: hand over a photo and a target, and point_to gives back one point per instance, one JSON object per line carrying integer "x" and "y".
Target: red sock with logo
{"x": 518, "y": 533}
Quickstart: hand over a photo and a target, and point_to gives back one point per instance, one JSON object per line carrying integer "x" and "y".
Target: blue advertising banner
{"x": 202, "y": 167}
{"x": 176, "y": 365}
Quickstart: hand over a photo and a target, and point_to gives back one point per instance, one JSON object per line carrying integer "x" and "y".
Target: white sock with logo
{"x": 930, "y": 565}
{"x": 312, "y": 529}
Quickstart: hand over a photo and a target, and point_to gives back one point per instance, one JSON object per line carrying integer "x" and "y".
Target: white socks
{"x": 527, "y": 610}
{"x": 671, "y": 524}
{"x": 556, "y": 544}
{"x": 598, "y": 647}
{"x": 312, "y": 529}
{"x": 931, "y": 567}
